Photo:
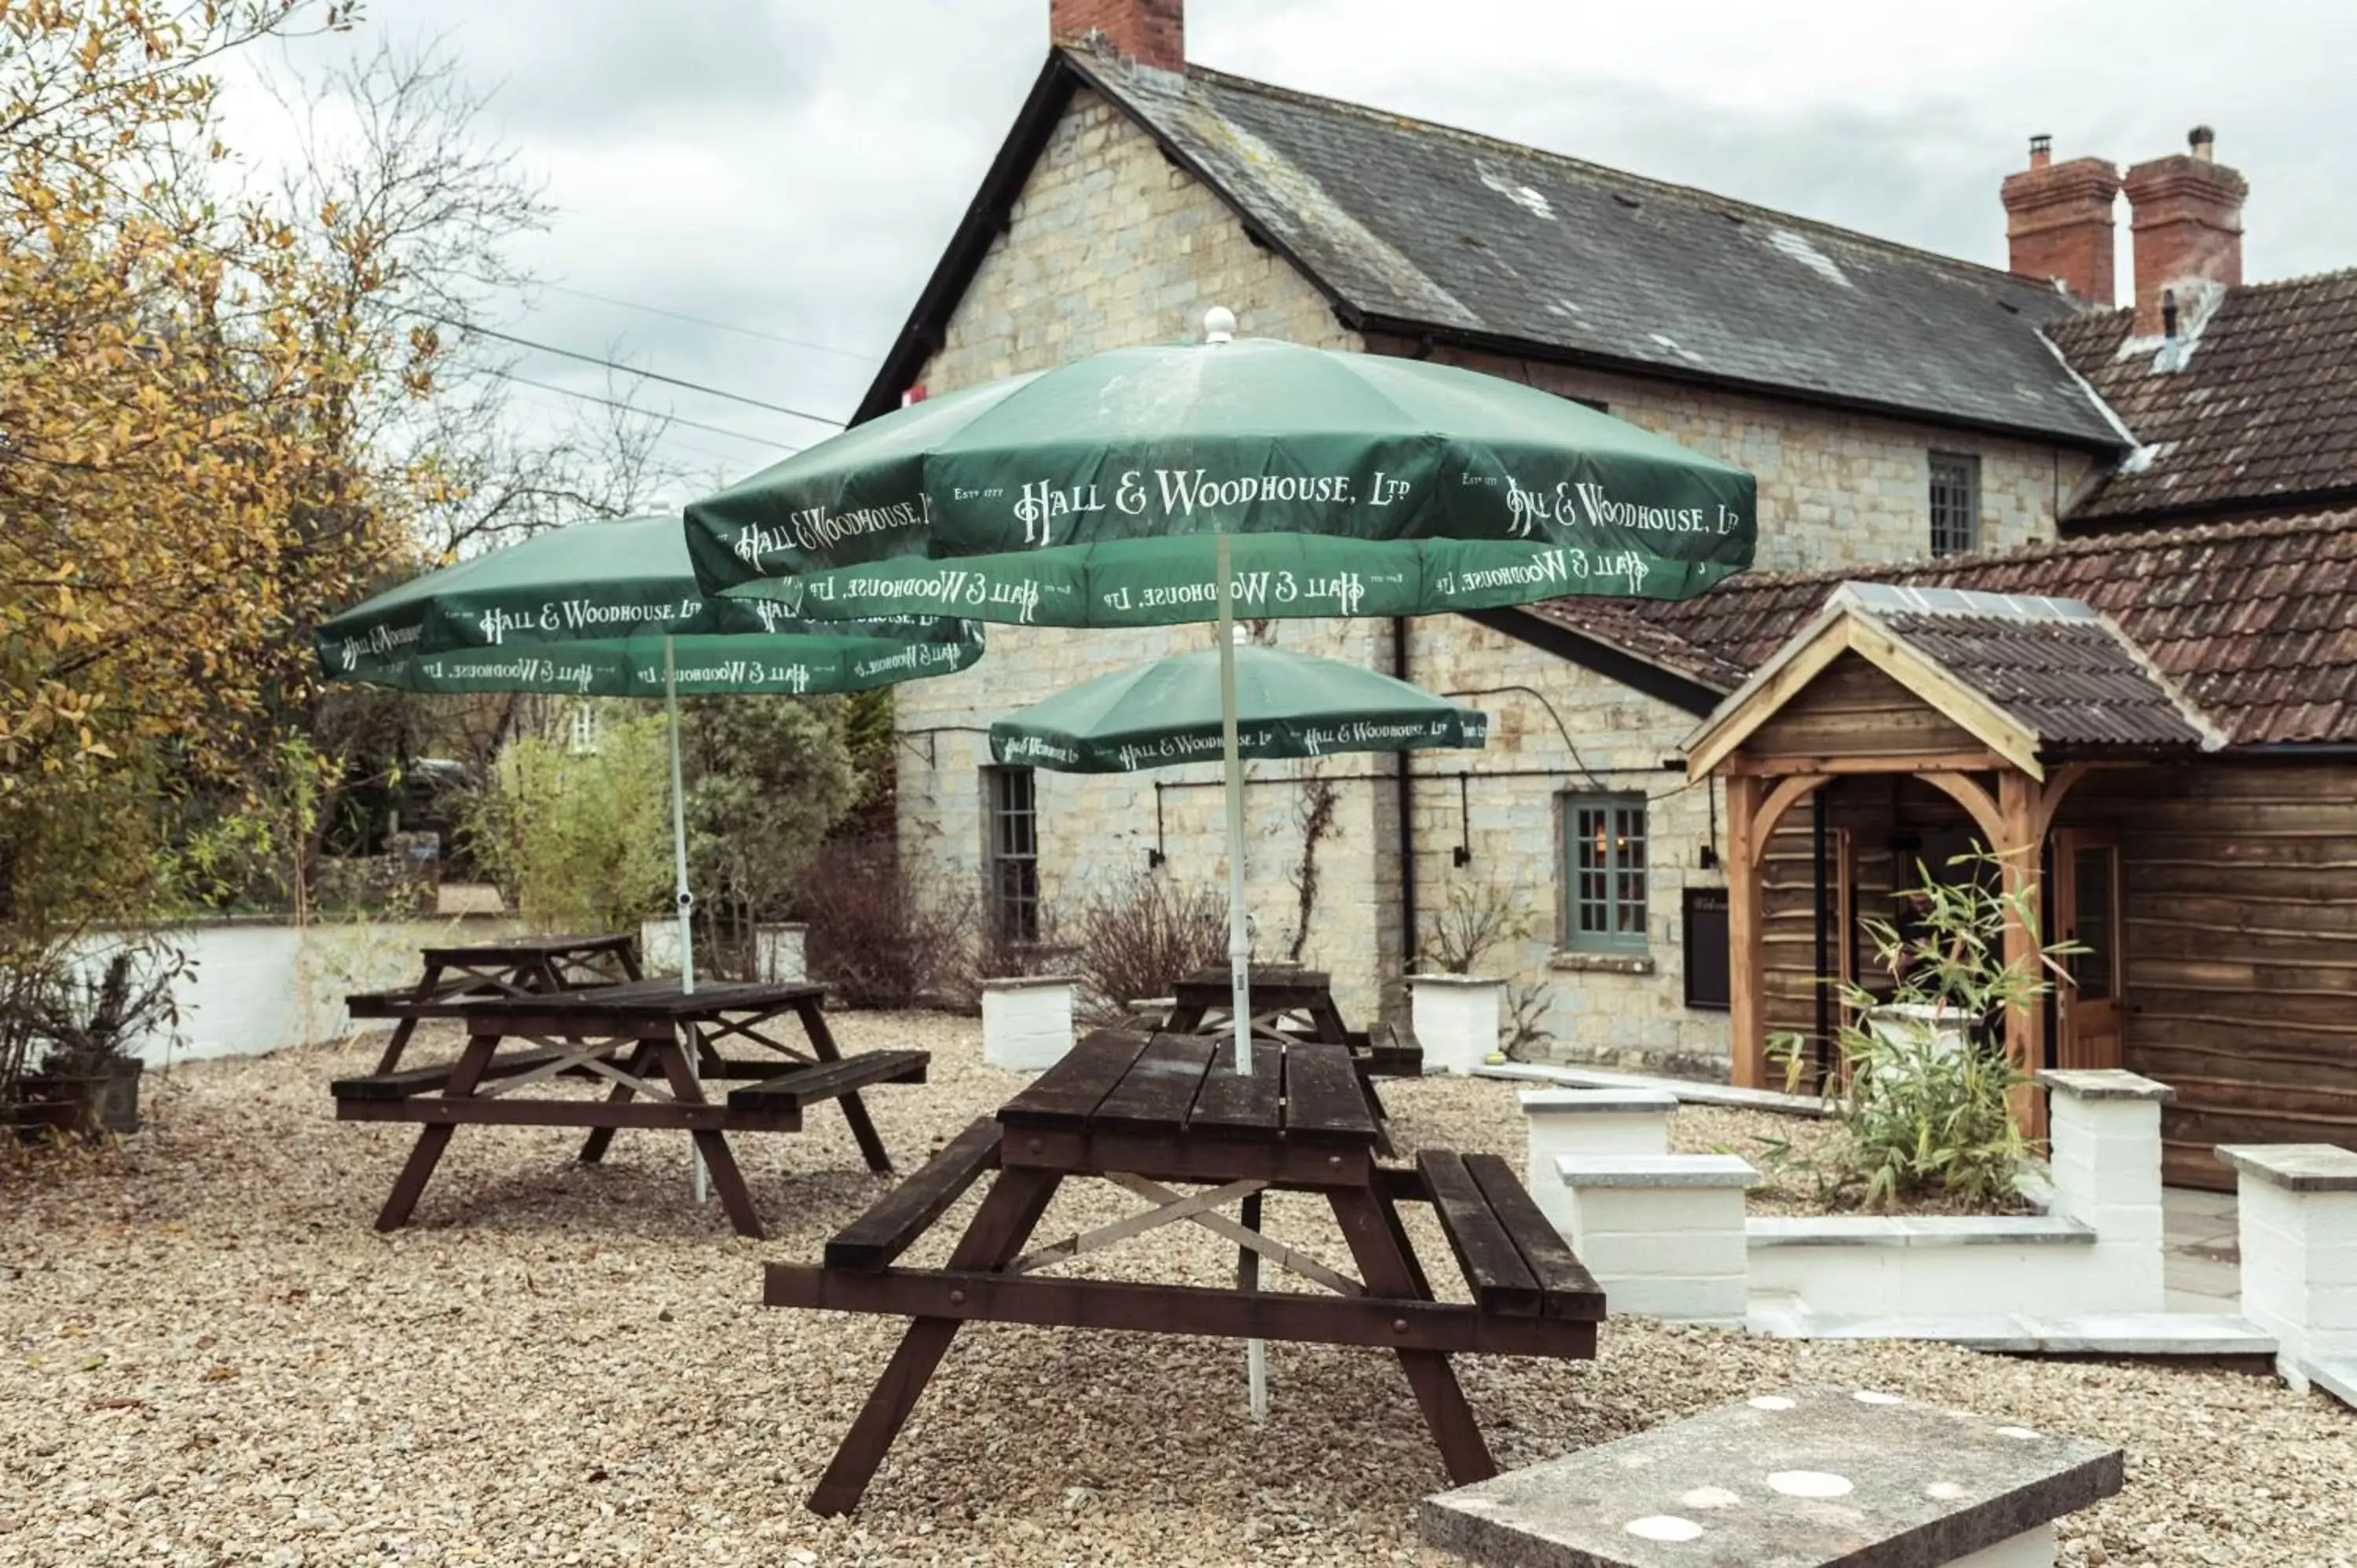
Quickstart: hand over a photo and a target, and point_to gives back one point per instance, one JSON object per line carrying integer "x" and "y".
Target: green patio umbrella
{"x": 611, "y": 608}
{"x": 1167, "y": 714}
{"x": 1176, "y": 483}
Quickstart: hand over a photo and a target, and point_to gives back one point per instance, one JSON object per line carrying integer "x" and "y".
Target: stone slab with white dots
{"x": 1789, "y": 1478}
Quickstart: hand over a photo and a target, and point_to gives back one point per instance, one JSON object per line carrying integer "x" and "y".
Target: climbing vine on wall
{"x": 1315, "y": 814}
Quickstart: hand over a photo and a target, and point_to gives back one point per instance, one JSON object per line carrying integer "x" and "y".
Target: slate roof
{"x": 1421, "y": 230}
{"x": 2261, "y": 413}
{"x": 2057, "y": 666}
{"x": 2254, "y": 622}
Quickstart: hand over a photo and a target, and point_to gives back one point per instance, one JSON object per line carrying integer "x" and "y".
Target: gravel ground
{"x": 207, "y": 1356}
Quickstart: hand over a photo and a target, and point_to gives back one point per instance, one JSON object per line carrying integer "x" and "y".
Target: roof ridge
{"x": 2111, "y": 542}
{"x": 1696, "y": 194}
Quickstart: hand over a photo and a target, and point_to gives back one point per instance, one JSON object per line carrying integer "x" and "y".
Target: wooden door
{"x": 2087, "y": 912}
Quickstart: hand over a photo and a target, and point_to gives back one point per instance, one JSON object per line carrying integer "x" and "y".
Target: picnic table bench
{"x": 656, "y": 1043}
{"x": 1142, "y": 1111}
{"x": 511, "y": 966}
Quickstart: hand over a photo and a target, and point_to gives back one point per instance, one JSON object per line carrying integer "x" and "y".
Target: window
{"x": 1011, "y": 851}
{"x": 584, "y": 734}
{"x": 1955, "y": 503}
{"x": 1707, "y": 955}
{"x": 1605, "y": 882}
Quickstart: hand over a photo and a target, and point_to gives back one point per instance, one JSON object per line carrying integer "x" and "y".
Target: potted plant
{"x": 90, "y": 1027}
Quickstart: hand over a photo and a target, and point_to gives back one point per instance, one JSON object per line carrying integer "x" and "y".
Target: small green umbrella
{"x": 611, "y": 608}
{"x": 1166, "y": 714}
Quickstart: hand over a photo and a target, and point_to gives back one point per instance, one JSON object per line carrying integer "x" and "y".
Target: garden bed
{"x": 206, "y": 1355}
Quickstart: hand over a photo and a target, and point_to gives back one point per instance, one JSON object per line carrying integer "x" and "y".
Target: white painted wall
{"x": 1455, "y": 1019}
{"x": 257, "y": 988}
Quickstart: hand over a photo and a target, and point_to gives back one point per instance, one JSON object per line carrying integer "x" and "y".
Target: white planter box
{"x": 1026, "y": 1021}
{"x": 778, "y": 951}
{"x": 1455, "y": 1019}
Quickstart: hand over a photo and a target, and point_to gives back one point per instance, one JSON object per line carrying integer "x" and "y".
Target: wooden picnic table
{"x": 511, "y": 966}
{"x": 1143, "y": 1112}
{"x": 1290, "y": 1003}
{"x": 654, "y": 1042}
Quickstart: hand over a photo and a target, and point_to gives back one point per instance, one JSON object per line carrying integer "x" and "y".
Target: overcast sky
{"x": 795, "y": 167}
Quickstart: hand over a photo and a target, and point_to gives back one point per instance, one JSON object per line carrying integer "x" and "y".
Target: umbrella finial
{"x": 1218, "y": 324}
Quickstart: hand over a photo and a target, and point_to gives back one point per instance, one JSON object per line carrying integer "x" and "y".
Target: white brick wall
{"x": 2297, "y": 1207}
{"x": 1664, "y": 1233}
{"x": 2105, "y": 1138}
{"x": 1561, "y": 1121}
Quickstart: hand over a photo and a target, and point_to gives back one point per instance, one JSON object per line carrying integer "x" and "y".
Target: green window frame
{"x": 1605, "y": 860}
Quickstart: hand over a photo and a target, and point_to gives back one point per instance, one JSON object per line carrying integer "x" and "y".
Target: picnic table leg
{"x": 1012, "y": 1208}
{"x": 432, "y": 1140}
{"x": 1388, "y": 1266}
{"x": 593, "y": 1147}
{"x": 628, "y": 953}
{"x": 712, "y": 1144}
{"x": 821, "y": 1039}
{"x": 407, "y": 1026}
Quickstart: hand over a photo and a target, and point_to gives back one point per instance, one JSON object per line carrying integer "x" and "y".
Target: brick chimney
{"x": 2186, "y": 216}
{"x": 2058, "y": 220}
{"x": 1147, "y": 32}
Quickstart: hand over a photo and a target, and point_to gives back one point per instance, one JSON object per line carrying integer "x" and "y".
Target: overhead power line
{"x": 649, "y": 413}
{"x": 716, "y": 325}
{"x": 628, "y": 370}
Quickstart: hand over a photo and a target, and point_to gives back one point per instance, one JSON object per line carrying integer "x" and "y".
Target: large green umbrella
{"x": 1350, "y": 484}
{"x": 1169, "y": 484}
{"x": 1168, "y": 713}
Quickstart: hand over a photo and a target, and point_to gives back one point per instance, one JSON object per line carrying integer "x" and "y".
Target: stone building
{"x": 1895, "y": 405}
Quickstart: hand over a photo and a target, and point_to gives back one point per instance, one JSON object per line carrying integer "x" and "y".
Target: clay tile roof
{"x": 2059, "y": 668}
{"x": 1415, "y": 226}
{"x": 2261, "y": 409}
{"x": 2254, "y": 622}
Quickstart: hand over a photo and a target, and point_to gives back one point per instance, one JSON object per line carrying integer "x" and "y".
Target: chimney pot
{"x": 1150, "y": 33}
{"x": 2204, "y": 143}
{"x": 2058, "y": 220}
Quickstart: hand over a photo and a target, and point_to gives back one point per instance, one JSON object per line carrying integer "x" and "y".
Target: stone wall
{"x": 1109, "y": 244}
{"x": 1556, "y": 729}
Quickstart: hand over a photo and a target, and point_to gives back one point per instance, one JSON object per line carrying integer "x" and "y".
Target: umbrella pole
{"x": 681, "y": 894}
{"x": 1239, "y": 943}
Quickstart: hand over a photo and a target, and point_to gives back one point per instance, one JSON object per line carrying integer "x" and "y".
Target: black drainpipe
{"x": 1406, "y": 814}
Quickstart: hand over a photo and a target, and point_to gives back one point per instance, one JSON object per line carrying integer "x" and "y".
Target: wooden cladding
{"x": 2239, "y": 885}
{"x": 1853, "y": 709}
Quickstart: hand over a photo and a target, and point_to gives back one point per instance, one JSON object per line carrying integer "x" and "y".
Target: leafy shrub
{"x": 1915, "y": 1121}
{"x": 579, "y": 839}
{"x": 767, "y": 778}
{"x": 1138, "y": 937}
{"x": 879, "y": 936}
